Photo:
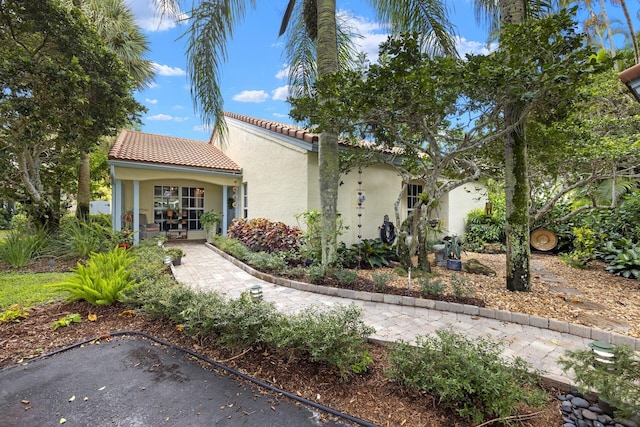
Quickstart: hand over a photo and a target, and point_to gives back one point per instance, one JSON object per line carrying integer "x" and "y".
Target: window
{"x": 245, "y": 200}
{"x": 413, "y": 191}
{"x": 178, "y": 205}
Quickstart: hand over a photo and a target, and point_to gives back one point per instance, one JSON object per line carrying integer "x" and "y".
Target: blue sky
{"x": 254, "y": 77}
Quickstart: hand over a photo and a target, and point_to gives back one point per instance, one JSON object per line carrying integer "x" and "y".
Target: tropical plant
{"x": 80, "y": 238}
{"x": 452, "y": 247}
{"x": 371, "y": 253}
{"x": 102, "y": 280}
{"x": 209, "y": 221}
{"x": 18, "y": 248}
{"x": 262, "y": 235}
{"x": 482, "y": 229}
{"x": 623, "y": 261}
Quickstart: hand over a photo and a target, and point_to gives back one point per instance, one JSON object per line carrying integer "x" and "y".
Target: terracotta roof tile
{"x": 294, "y": 131}
{"x": 149, "y": 148}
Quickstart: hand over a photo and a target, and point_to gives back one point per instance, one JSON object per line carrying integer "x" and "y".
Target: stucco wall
{"x": 275, "y": 171}
{"x": 380, "y": 186}
{"x": 459, "y": 202}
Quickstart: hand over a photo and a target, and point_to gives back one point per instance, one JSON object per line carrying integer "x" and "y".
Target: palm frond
{"x": 211, "y": 25}
{"x": 427, "y": 18}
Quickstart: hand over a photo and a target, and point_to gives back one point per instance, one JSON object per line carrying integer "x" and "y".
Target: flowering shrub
{"x": 262, "y": 235}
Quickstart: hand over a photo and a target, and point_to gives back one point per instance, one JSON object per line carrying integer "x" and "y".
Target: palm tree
{"x": 115, "y": 23}
{"x": 212, "y": 23}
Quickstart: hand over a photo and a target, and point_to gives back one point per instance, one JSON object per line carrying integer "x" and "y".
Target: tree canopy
{"x": 62, "y": 89}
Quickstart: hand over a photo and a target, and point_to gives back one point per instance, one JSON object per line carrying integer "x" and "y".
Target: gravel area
{"x": 590, "y": 296}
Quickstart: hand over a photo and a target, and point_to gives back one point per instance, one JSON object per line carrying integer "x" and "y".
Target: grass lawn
{"x": 29, "y": 289}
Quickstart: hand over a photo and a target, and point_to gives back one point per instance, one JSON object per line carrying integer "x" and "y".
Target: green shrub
{"x": 102, "y": 280}
{"x": 372, "y": 253}
{"x": 315, "y": 273}
{"x": 148, "y": 264}
{"x": 233, "y": 247}
{"x": 461, "y": 288}
{"x": 345, "y": 276}
{"x": 81, "y": 238}
{"x": 20, "y": 247}
{"x": 431, "y": 287}
{"x": 165, "y": 298}
{"x": 618, "y": 384}
{"x": 584, "y": 248}
{"x": 483, "y": 229}
{"x": 262, "y": 235}
{"x": 265, "y": 261}
{"x": 623, "y": 261}
{"x": 380, "y": 280}
{"x": 337, "y": 337}
{"x": 467, "y": 375}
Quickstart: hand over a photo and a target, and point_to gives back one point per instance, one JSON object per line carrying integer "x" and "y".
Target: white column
{"x": 225, "y": 195}
{"x": 136, "y": 212}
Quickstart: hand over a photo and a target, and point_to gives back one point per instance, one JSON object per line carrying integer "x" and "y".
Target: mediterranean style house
{"x": 162, "y": 184}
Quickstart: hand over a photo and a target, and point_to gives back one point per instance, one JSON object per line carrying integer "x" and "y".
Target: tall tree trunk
{"x": 517, "y": 206}
{"x": 84, "y": 186}
{"x": 516, "y": 178}
{"x": 632, "y": 34}
{"x": 329, "y": 167}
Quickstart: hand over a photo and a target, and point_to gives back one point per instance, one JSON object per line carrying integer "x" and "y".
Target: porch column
{"x": 225, "y": 194}
{"x": 116, "y": 205}
{"x": 136, "y": 212}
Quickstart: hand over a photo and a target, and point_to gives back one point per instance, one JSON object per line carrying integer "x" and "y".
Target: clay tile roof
{"x": 149, "y": 148}
{"x": 294, "y": 131}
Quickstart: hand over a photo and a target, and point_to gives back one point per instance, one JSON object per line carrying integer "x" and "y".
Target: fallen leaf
{"x": 127, "y": 313}
{"x": 554, "y": 342}
{"x": 24, "y": 402}
{"x": 180, "y": 328}
{"x": 63, "y": 420}
{"x": 86, "y": 398}
{"x": 72, "y": 398}
{"x": 102, "y": 388}
{"x": 92, "y": 317}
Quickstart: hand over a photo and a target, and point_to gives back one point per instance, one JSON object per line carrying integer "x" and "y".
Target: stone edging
{"x": 472, "y": 310}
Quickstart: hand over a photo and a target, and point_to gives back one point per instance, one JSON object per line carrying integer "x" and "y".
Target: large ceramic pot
{"x": 454, "y": 264}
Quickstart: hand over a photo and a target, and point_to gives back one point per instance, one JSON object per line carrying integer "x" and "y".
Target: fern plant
{"x": 102, "y": 280}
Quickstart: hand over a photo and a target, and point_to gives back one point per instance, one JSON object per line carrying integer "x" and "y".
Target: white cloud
{"x": 251, "y": 96}
{"x": 281, "y": 93}
{"x": 149, "y": 18}
{"x": 203, "y": 128}
{"x": 281, "y": 116}
{"x": 151, "y": 101}
{"x": 465, "y": 46}
{"x": 167, "y": 118}
{"x": 372, "y": 33}
{"x": 152, "y": 85}
{"x": 166, "y": 70}
{"x": 283, "y": 74}
{"x": 177, "y": 107}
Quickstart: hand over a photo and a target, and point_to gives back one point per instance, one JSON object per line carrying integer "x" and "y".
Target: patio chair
{"x": 147, "y": 230}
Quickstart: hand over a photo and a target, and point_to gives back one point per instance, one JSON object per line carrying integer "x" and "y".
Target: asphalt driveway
{"x": 135, "y": 382}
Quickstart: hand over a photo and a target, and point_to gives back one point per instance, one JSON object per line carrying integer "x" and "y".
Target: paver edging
{"x": 506, "y": 316}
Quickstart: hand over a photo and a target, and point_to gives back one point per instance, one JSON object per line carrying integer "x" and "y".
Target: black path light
{"x": 631, "y": 78}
